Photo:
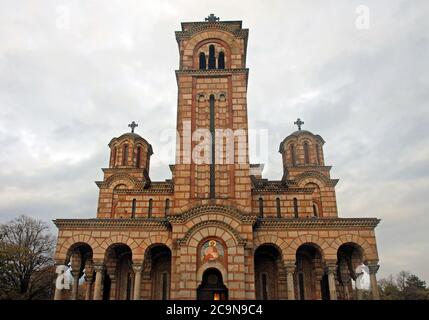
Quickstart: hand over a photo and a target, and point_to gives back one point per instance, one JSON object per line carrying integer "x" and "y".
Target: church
{"x": 217, "y": 229}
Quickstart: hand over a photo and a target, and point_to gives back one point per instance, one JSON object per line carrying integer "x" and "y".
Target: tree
{"x": 406, "y": 286}
{"x": 26, "y": 259}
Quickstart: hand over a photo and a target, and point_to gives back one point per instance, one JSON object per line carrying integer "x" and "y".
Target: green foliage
{"x": 405, "y": 286}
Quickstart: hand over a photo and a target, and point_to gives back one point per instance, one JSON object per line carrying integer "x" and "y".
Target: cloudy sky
{"x": 73, "y": 74}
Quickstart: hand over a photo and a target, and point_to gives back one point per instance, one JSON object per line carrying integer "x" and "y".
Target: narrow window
{"x": 164, "y": 286}
{"x": 295, "y": 207}
{"x": 149, "y": 212}
{"x": 167, "y": 206}
{"x": 125, "y": 156}
{"x": 306, "y": 156}
{"x": 133, "y": 208}
{"x": 314, "y": 210}
{"x": 279, "y": 213}
{"x": 203, "y": 65}
{"x": 318, "y": 154}
{"x": 212, "y": 58}
{"x": 221, "y": 61}
{"x": 301, "y": 286}
{"x": 139, "y": 150}
{"x": 264, "y": 284}
{"x": 261, "y": 207}
{"x": 114, "y": 156}
{"x": 292, "y": 154}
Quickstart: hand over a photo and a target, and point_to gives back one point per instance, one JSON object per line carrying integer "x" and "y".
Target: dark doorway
{"x": 212, "y": 287}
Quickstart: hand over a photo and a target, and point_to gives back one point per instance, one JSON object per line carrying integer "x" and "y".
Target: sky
{"x": 73, "y": 74}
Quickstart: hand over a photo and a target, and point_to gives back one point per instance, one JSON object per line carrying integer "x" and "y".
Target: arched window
{"x": 292, "y": 154}
{"x": 133, "y": 208}
{"x": 167, "y": 206}
{"x": 306, "y": 156}
{"x": 114, "y": 156}
{"x": 203, "y": 63}
{"x": 279, "y": 213}
{"x": 125, "y": 156}
{"x": 139, "y": 151}
{"x": 149, "y": 212}
{"x": 261, "y": 207}
{"x": 315, "y": 209}
{"x": 318, "y": 155}
{"x": 295, "y": 207}
{"x": 212, "y": 58}
{"x": 221, "y": 61}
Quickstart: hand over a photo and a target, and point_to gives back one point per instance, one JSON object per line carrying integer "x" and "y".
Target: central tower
{"x": 212, "y": 163}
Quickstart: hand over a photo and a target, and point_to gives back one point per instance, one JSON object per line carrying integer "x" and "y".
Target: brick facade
{"x": 216, "y": 230}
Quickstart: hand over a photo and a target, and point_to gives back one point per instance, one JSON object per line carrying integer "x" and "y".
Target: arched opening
{"x": 212, "y": 58}
{"x": 149, "y": 210}
{"x": 138, "y": 156}
{"x": 349, "y": 257}
{"x": 293, "y": 154}
{"x": 318, "y": 155}
{"x": 167, "y": 206}
{"x": 203, "y": 63}
{"x": 278, "y": 207}
{"x": 268, "y": 273}
{"x": 212, "y": 286}
{"x": 79, "y": 261}
{"x": 306, "y": 154}
{"x": 295, "y": 207}
{"x": 125, "y": 156}
{"x": 309, "y": 272}
{"x": 133, "y": 208}
{"x": 315, "y": 210}
{"x": 261, "y": 207}
{"x": 157, "y": 273}
{"x": 113, "y": 158}
{"x": 119, "y": 275}
{"x": 221, "y": 60}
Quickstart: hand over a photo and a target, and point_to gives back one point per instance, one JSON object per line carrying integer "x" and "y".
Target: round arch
{"x": 367, "y": 252}
{"x": 309, "y": 239}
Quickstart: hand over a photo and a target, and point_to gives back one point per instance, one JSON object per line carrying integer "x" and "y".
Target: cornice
{"x": 144, "y": 223}
{"x": 211, "y": 209}
{"x": 213, "y": 72}
{"x": 316, "y": 223}
{"x": 198, "y": 27}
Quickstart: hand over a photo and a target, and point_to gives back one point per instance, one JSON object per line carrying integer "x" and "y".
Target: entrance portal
{"x": 212, "y": 287}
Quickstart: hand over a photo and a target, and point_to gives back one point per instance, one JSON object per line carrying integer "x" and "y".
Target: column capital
{"x": 290, "y": 267}
{"x": 99, "y": 267}
{"x": 373, "y": 267}
{"x": 137, "y": 267}
{"x": 331, "y": 267}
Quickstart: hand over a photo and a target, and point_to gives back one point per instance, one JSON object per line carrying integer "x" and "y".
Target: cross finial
{"x": 299, "y": 123}
{"x": 133, "y": 125}
{"x": 212, "y": 18}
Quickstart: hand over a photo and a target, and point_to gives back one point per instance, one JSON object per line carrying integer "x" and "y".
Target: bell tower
{"x": 212, "y": 163}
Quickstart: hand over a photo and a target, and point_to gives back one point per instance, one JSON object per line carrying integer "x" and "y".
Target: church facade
{"x": 217, "y": 229}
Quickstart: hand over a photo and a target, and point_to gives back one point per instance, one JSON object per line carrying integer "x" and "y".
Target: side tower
{"x": 212, "y": 164}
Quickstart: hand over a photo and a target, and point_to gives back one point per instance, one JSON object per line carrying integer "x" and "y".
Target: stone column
{"x": 331, "y": 269}
{"x": 75, "y": 286}
{"x": 88, "y": 288}
{"x": 373, "y": 268}
{"x": 290, "y": 270}
{"x": 137, "y": 268}
{"x": 99, "y": 269}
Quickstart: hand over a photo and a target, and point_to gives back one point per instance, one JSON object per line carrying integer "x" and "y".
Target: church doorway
{"x": 212, "y": 286}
